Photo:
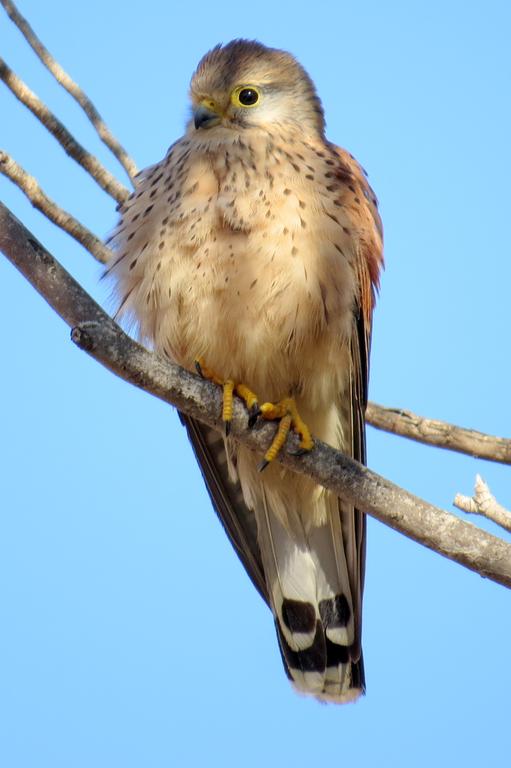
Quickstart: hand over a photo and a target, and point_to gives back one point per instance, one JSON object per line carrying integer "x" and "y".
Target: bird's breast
{"x": 240, "y": 264}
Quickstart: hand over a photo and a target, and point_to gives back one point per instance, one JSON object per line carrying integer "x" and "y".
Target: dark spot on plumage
{"x": 144, "y": 247}
{"x": 156, "y": 180}
{"x": 334, "y": 612}
{"x": 336, "y": 654}
{"x": 227, "y": 278}
{"x": 346, "y": 231}
{"x": 294, "y": 250}
{"x": 253, "y": 283}
{"x": 133, "y": 264}
{"x": 334, "y": 218}
{"x": 329, "y": 174}
{"x": 199, "y": 264}
{"x": 319, "y": 153}
{"x": 161, "y": 246}
{"x": 135, "y": 217}
{"x": 309, "y": 176}
{"x": 357, "y": 200}
{"x": 268, "y": 214}
{"x": 148, "y": 210}
{"x": 301, "y": 204}
{"x": 338, "y": 202}
{"x": 131, "y": 236}
{"x": 285, "y": 231}
{"x": 312, "y": 659}
{"x": 287, "y": 191}
{"x": 329, "y": 162}
{"x": 296, "y": 167}
{"x": 322, "y": 288}
{"x": 333, "y": 187}
{"x": 302, "y": 223}
{"x": 139, "y": 194}
{"x": 298, "y": 615}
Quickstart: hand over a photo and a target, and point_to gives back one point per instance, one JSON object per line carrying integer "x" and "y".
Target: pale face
{"x": 246, "y": 85}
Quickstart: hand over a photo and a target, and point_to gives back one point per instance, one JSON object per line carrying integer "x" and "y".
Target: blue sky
{"x": 131, "y": 635}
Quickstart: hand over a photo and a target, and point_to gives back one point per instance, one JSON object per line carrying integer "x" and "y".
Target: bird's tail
{"x": 312, "y": 573}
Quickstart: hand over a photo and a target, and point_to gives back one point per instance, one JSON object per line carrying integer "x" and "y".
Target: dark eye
{"x": 248, "y": 97}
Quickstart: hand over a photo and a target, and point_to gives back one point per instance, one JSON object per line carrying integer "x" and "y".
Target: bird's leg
{"x": 229, "y": 388}
{"x": 286, "y": 412}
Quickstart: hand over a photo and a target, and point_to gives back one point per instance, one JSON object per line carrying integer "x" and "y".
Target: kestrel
{"x": 252, "y": 253}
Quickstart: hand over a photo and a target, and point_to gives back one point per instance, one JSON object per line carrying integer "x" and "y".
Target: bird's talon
{"x": 262, "y": 466}
{"x": 253, "y": 413}
{"x": 198, "y": 368}
{"x": 298, "y": 452}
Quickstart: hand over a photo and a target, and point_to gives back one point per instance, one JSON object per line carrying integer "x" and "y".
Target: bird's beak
{"x": 206, "y": 114}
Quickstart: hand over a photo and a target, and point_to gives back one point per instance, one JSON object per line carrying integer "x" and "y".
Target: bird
{"x": 251, "y": 254}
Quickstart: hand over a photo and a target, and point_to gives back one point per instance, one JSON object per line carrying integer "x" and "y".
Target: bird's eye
{"x": 245, "y": 96}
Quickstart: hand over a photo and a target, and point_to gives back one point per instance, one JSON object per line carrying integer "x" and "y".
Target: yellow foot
{"x": 286, "y": 412}
{"x": 229, "y": 388}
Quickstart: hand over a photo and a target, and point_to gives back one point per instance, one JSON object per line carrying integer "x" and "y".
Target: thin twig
{"x": 439, "y": 433}
{"x": 91, "y": 164}
{"x": 71, "y": 87}
{"x": 484, "y": 503}
{"x": 96, "y": 333}
{"x": 41, "y": 201}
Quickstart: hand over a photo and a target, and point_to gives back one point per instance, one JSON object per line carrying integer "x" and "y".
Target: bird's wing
{"x": 238, "y": 521}
{"x": 369, "y": 261}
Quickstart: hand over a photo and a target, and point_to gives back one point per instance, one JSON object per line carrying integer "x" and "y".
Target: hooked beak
{"x": 206, "y": 115}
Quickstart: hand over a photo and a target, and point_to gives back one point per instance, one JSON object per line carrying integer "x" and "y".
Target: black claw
{"x": 253, "y": 414}
{"x": 227, "y": 428}
{"x": 298, "y": 452}
{"x": 198, "y": 369}
{"x": 262, "y": 466}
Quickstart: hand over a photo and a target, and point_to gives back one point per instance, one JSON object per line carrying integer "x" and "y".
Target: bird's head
{"x": 244, "y": 85}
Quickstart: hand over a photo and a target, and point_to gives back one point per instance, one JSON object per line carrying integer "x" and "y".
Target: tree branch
{"x": 71, "y": 87}
{"x": 439, "y": 433}
{"x": 91, "y": 164}
{"x": 484, "y": 503}
{"x": 28, "y": 184}
{"x": 97, "y": 333}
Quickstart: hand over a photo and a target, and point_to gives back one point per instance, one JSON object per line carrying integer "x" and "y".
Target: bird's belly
{"x": 253, "y": 314}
